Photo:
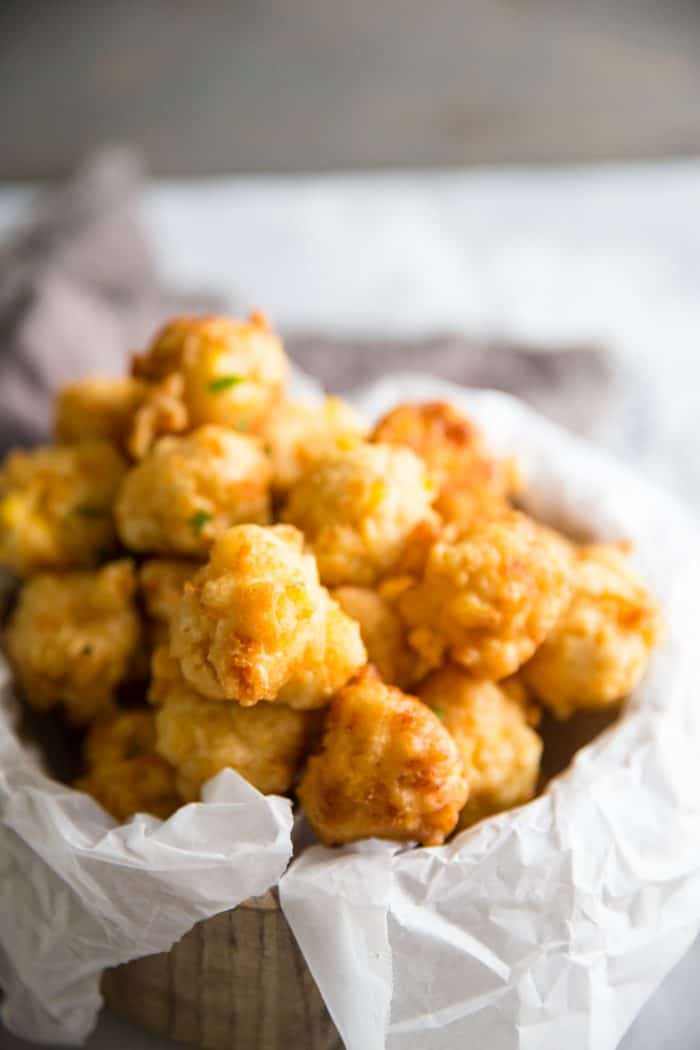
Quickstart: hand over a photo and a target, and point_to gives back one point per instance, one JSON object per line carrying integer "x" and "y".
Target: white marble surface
{"x": 610, "y": 255}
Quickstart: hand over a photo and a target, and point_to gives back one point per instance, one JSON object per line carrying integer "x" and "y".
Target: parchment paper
{"x": 546, "y": 927}
{"x": 79, "y": 893}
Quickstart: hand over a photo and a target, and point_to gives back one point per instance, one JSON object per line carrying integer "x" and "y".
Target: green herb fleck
{"x": 243, "y": 425}
{"x": 198, "y": 520}
{"x": 86, "y": 650}
{"x": 89, "y": 510}
{"x": 440, "y": 712}
{"x": 221, "y": 383}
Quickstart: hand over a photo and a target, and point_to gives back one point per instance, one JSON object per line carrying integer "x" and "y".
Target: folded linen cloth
{"x": 576, "y": 386}
{"x": 79, "y": 289}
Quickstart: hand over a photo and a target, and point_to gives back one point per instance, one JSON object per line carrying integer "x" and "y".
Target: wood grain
{"x": 269, "y": 85}
{"x": 237, "y": 981}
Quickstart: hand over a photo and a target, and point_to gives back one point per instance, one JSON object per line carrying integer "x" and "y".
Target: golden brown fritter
{"x": 161, "y": 411}
{"x": 382, "y": 633}
{"x": 472, "y": 482}
{"x": 436, "y": 431}
{"x": 98, "y": 407}
{"x": 388, "y": 769}
{"x": 247, "y": 619}
{"x": 331, "y": 659}
{"x": 165, "y": 671}
{"x": 72, "y": 637}
{"x": 56, "y": 506}
{"x": 188, "y": 490}
{"x": 357, "y": 509}
{"x": 162, "y": 582}
{"x": 297, "y": 435}
{"x": 488, "y": 600}
{"x": 125, "y": 775}
{"x": 500, "y": 752}
{"x": 419, "y": 543}
{"x": 119, "y": 736}
{"x": 232, "y": 371}
{"x": 599, "y": 649}
{"x": 200, "y": 737}
{"x": 438, "y": 582}
{"x": 129, "y": 412}
{"x": 161, "y": 586}
{"x": 521, "y": 694}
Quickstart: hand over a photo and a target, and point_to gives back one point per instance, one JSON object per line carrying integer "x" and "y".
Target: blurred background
{"x": 511, "y": 171}
{"x": 505, "y": 192}
{"x": 215, "y": 87}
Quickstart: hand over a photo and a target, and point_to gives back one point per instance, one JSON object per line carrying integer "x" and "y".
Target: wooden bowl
{"x": 237, "y": 981}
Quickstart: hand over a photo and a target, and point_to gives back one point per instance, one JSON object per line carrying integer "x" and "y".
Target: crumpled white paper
{"x": 548, "y": 926}
{"x": 545, "y": 927}
{"x": 79, "y": 893}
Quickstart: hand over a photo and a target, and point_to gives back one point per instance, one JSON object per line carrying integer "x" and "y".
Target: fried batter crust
{"x": 98, "y": 407}
{"x": 358, "y": 507}
{"x": 162, "y": 583}
{"x": 200, "y": 737}
{"x": 296, "y": 435}
{"x": 188, "y": 490}
{"x": 472, "y": 482}
{"x": 232, "y": 371}
{"x": 499, "y": 751}
{"x": 599, "y": 649}
{"x": 330, "y": 660}
{"x": 488, "y": 600}
{"x": 56, "y": 506}
{"x": 382, "y": 633}
{"x": 125, "y": 775}
{"x": 72, "y": 637}
{"x": 388, "y": 769}
{"x": 248, "y": 617}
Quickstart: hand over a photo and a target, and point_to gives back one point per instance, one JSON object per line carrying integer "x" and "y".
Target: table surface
{"x": 610, "y": 255}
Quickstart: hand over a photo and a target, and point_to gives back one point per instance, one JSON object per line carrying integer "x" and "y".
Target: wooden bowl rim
{"x": 267, "y": 902}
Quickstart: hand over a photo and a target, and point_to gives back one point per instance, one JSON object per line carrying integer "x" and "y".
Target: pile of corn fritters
{"x": 360, "y": 617}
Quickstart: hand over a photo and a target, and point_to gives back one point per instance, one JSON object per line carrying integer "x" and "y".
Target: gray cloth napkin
{"x": 576, "y": 386}
{"x": 79, "y": 290}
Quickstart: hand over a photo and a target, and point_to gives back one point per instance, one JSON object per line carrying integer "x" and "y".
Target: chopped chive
{"x": 221, "y": 383}
{"x": 440, "y": 712}
{"x": 198, "y": 520}
{"x": 89, "y": 510}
